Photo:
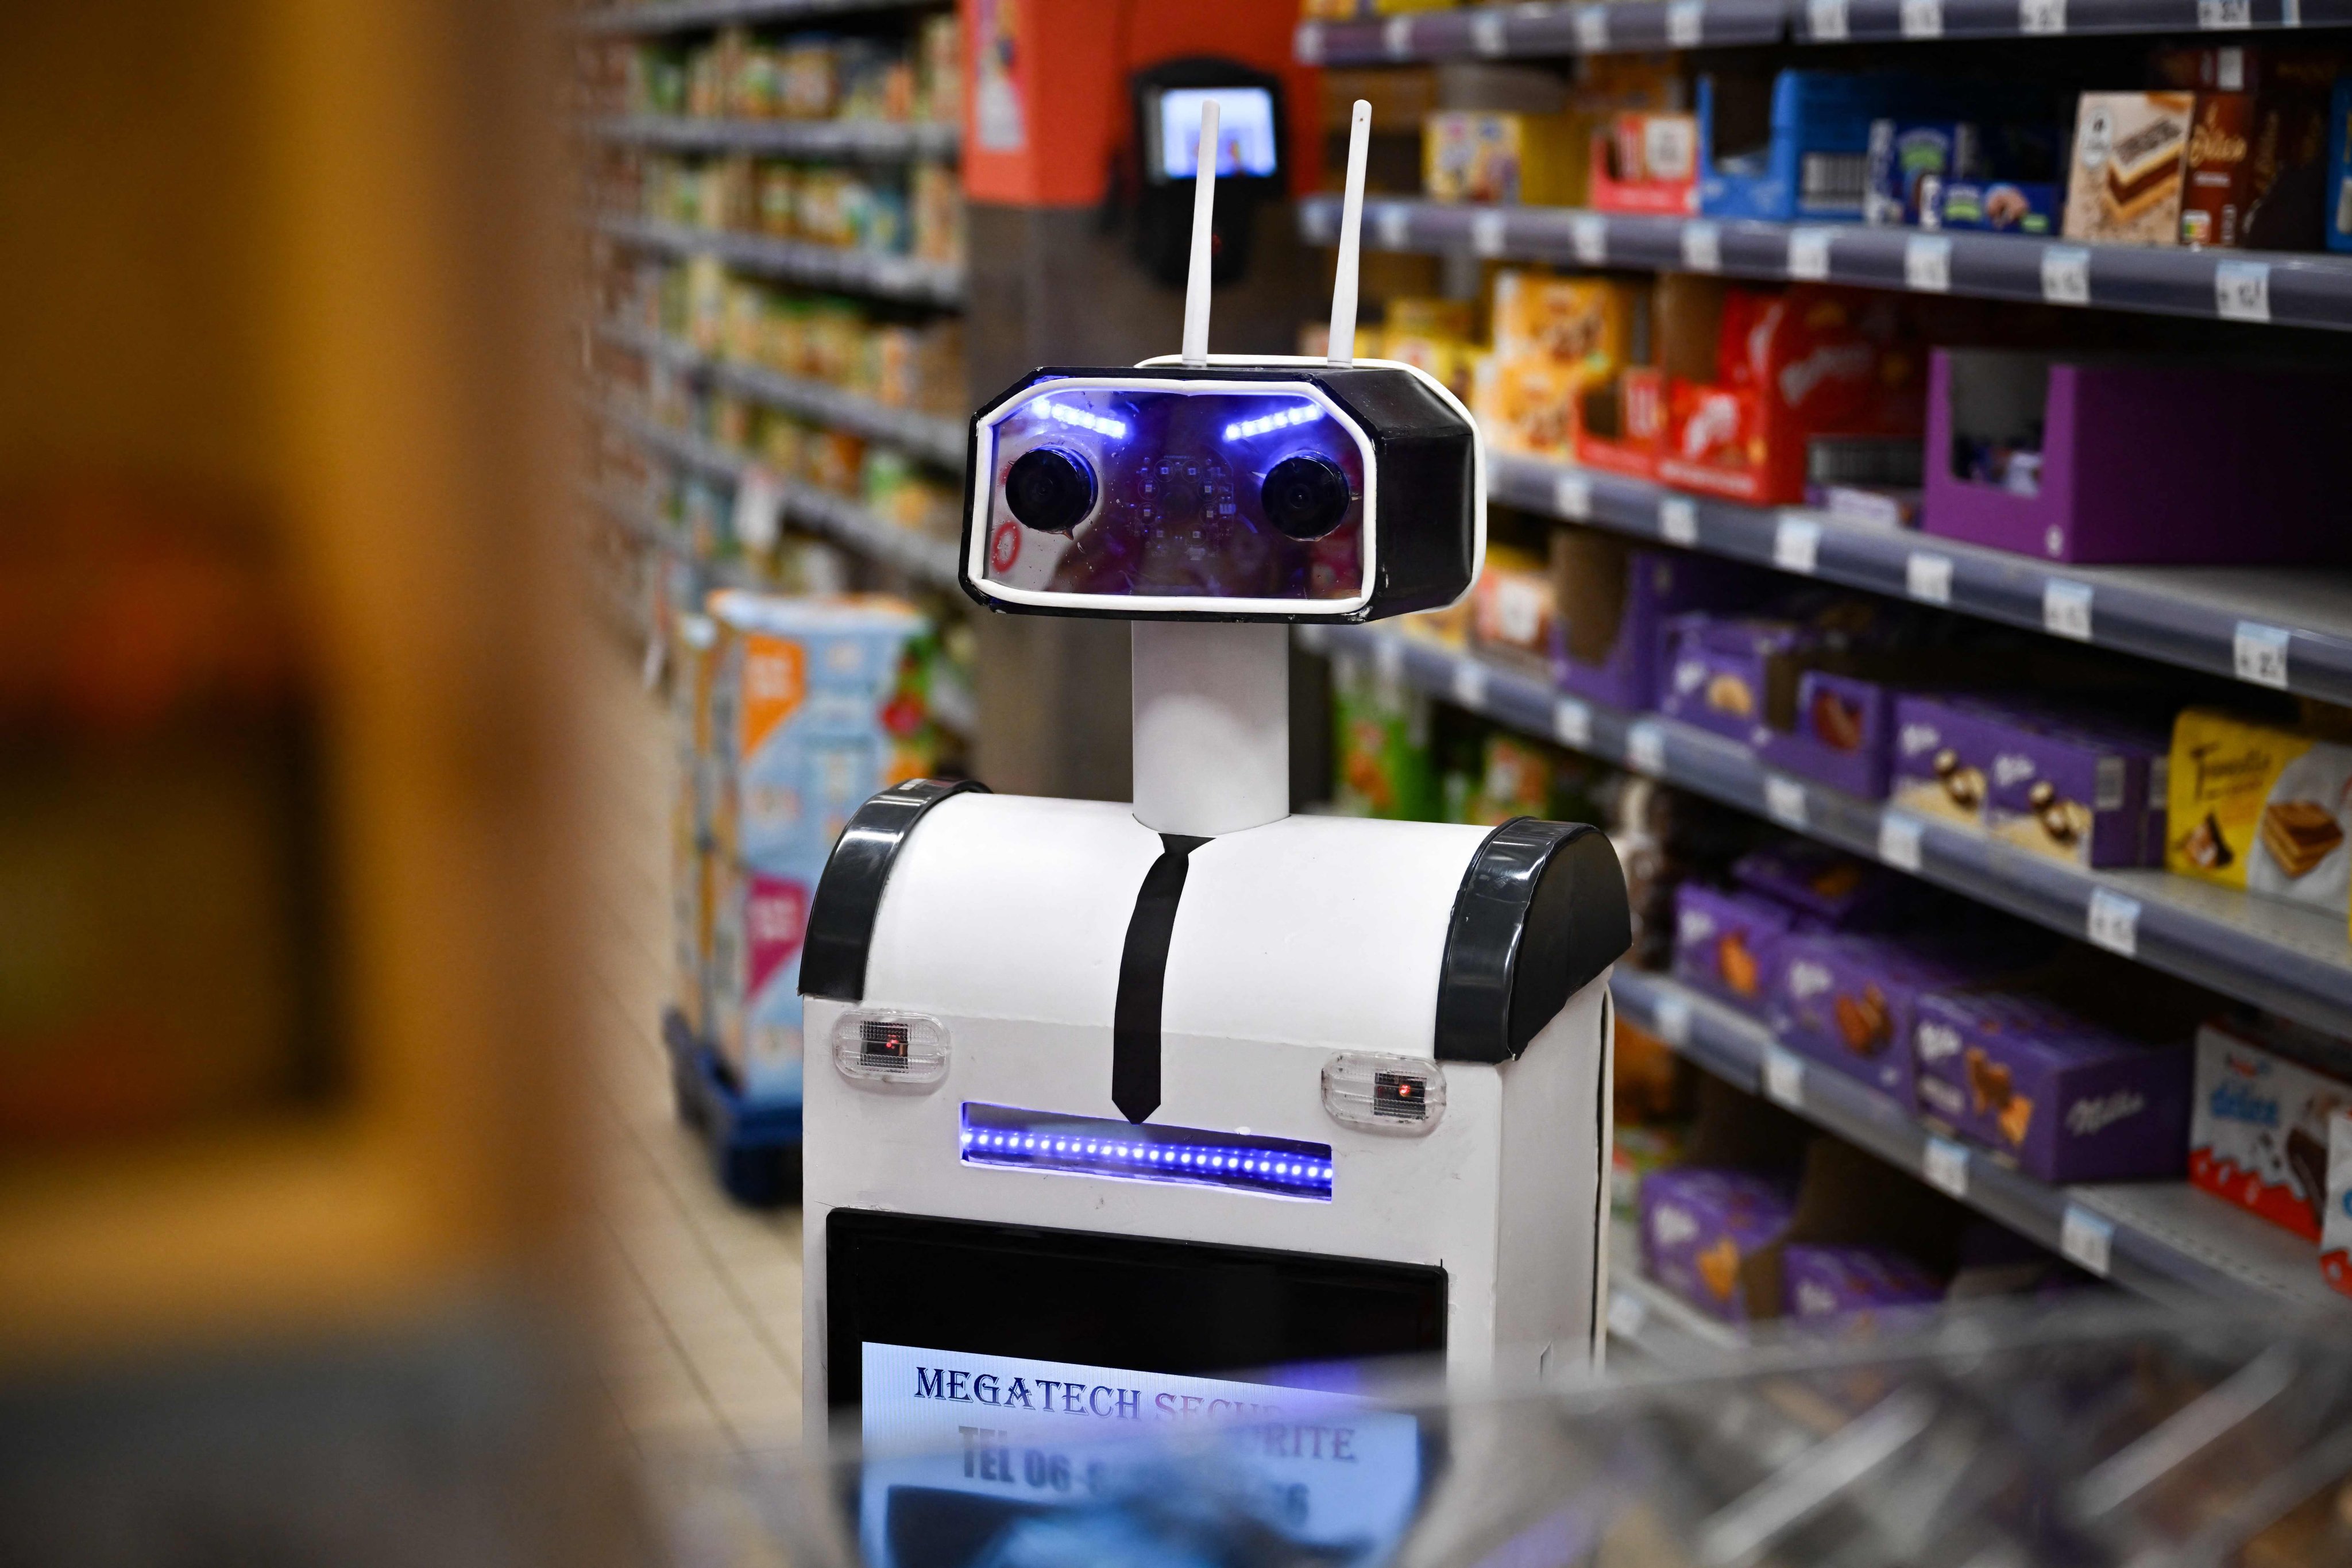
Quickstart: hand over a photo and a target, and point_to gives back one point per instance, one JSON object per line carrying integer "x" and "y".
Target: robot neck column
{"x": 1211, "y": 726}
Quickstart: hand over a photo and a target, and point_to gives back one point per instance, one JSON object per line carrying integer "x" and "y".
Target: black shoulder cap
{"x": 841, "y": 916}
{"x": 1540, "y": 913}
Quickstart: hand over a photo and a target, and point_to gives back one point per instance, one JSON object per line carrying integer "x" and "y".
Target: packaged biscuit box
{"x": 1475, "y": 155}
{"x": 2130, "y": 164}
{"x": 2336, "y": 1229}
{"x": 2258, "y": 1131}
{"x": 2259, "y": 807}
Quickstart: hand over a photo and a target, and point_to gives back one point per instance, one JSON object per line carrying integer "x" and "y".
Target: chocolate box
{"x": 1611, "y": 600}
{"x": 2129, "y": 168}
{"x": 1850, "y": 1002}
{"x": 1699, "y": 1225}
{"x": 2075, "y": 790}
{"x": 1830, "y": 1281}
{"x": 1726, "y": 940}
{"x": 2260, "y": 806}
{"x": 2054, "y": 1093}
{"x": 2258, "y": 1128}
{"x": 2137, "y": 462}
{"x": 1943, "y": 757}
{"x": 1828, "y": 886}
{"x": 1728, "y": 673}
{"x": 1843, "y": 733}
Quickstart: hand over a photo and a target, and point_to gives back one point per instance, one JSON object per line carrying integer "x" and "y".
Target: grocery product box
{"x": 1700, "y": 1226}
{"x": 1512, "y": 615}
{"x": 2130, "y": 167}
{"x": 2086, "y": 460}
{"x": 1792, "y": 366}
{"x": 1800, "y": 149}
{"x": 1381, "y": 745}
{"x": 2259, "y": 807}
{"x": 2075, "y": 790}
{"x": 1828, "y": 886}
{"x": 2000, "y": 206}
{"x": 2058, "y": 1095}
{"x": 2258, "y": 1131}
{"x": 1943, "y": 751}
{"x": 1479, "y": 155}
{"x": 1644, "y": 163}
{"x": 1850, "y": 1002}
{"x": 1552, "y": 336}
{"x": 813, "y": 707}
{"x": 1906, "y": 156}
{"x": 1727, "y": 941}
{"x": 1612, "y": 599}
{"x": 1842, "y": 1282}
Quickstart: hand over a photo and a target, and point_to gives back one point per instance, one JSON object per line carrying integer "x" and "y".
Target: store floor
{"x": 704, "y": 1342}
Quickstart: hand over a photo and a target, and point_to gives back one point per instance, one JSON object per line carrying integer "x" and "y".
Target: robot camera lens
{"x": 1305, "y": 495}
{"x": 1051, "y": 488}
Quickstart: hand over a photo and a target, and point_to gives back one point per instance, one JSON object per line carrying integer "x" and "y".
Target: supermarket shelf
{"x": 2284, "y": 289}
{"x": 837, "y": 518}
{"x": 931, "y": 435}
{"x": 1496, "y": 32}
{"x": 630, "y": 514}
{"x": 1523, "y": 31}
{"x": 2223, "y": 620}
{"x": 683, "y": 15}
{"x": 2291, "y": 960}
{"x": 824, "y": 266}
{"x": 2163, "y": 1239}
{"x": 874, "y": 139}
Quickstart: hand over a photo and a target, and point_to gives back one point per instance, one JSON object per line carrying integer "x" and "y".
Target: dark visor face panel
{"x": 1180, "y": 505}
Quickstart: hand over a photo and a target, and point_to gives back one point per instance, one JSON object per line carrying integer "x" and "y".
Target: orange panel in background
{"x": 1046, "y": 95}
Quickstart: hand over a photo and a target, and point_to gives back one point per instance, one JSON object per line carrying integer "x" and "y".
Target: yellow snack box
{"x": 2259, "y": 807}
{"x": 1479, "y": 155}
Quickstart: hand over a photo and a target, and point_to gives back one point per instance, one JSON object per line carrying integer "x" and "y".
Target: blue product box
{"x": 1909, "y": 157}
{"x": 2002, "y": 206}
{"x": 1815, "y": 160}
{"x": 2339, "y": 167}
{"x": 806, "y": 712}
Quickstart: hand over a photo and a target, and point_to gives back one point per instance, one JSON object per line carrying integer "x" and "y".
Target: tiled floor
{"x": 704, "y": 1348}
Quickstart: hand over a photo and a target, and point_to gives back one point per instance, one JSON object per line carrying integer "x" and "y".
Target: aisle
{"x": 705, "y": 1341}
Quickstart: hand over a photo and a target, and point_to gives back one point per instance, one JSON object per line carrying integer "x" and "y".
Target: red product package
{"x": 1791, "y": 365}
{"x": 1621, "y": 422}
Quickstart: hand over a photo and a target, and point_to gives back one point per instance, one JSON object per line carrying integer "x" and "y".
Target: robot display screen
{"x": 1244, "y": 131}
{"x": 1127, "y": 493}
{"x": 1005, "y": 1375}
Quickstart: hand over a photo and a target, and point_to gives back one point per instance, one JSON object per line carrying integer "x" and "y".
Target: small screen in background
{"x": 1244, "y": 131}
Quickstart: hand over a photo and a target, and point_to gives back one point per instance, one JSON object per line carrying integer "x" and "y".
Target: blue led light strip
{"x": 1120, "y": 1151}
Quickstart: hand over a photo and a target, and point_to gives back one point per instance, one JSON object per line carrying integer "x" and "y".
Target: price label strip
{"x": 2066, "y": 273}
{"x": 1645, "y": 748}
{"x": 1589, "y": 234}
{"x": 1797, "y": 545}
{"x": 1672, "y": 1017}
{"x": 1395, "y": 226}
{"x": 1486, "y": 33}
{"x": 2259, "y": 653}
{"x": 2241, "y": 289}
{"x": 2066, "y": 609}
{"x": 1487, "y": 233}
{"x": 1923, "y": 18}
{"x": 2112, "y": 921}
{"x": 1784, "y": 1077}
{"x": 2041, "y": 17}
{"x": 1899, "y": 841}
{"x": 1572, "y": 497}
{"x": 1627, "y": 1314}
{"x": 1928, "y": 578}
{"x": 1592, "y": 30}
{"x": 1928, "y": 264}
{"x": 1702, "y": 246}
{"x": 1679, "y": 521}
{"x": 2087, "y": 1239}
{"x": 1685, "y": 22}
{"x": 1784, "y": 801}
{"x": 1825, "y": 20}
{"x": 1572, "y": 721}
{"x": 1809, "y": 254}
{"x": 1469, "y": 685}
{"x": 1945, "y": 1166}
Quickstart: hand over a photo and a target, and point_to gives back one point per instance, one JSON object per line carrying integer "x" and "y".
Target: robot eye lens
{"x": 1305, "y": 495}
{"x": 1051, "y": 488}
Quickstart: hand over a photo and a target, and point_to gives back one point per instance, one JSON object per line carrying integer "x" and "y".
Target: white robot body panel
{"x": 1004, "y": 920}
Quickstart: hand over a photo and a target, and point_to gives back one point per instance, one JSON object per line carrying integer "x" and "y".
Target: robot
{"x": 1107, "y": 1104}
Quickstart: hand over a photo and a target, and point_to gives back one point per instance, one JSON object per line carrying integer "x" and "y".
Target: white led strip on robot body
{"x": 984, "y": 477}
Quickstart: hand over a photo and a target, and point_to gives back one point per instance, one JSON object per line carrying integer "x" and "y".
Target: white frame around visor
{"x": 984, "y": 468}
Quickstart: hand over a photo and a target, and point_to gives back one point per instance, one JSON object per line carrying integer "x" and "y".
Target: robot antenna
{"x": 1204, "y": 202}
{"x": 1342, "y": 347}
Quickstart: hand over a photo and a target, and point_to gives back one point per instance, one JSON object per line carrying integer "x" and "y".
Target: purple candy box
{"x": 1850, "y": 1002}
{"x": 1819, "y": 1282}
{"x": 1698, "y": 1225}
{"x": 1725, "y": 939}
{"x": 2063, "y": 1098}
{"x": 1621, "y": 665}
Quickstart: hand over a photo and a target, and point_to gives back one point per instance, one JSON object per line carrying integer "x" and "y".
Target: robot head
{"x": 1223, "y": 488}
